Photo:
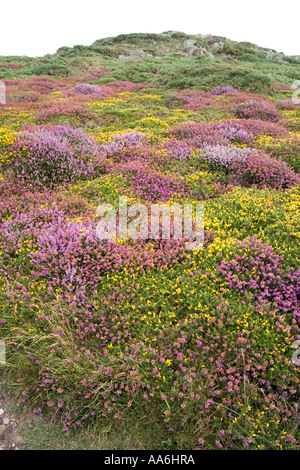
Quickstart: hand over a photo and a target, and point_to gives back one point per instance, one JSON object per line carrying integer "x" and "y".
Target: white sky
{"x": 35, "y": 28}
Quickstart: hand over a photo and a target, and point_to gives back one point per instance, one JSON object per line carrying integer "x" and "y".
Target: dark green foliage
{"x": 50, "y": 68}
{"x": 235, "y": 49}
{"x": 250, "y": 57}
{"x": 205, "y": 73}
{"x": 104, "y": 50}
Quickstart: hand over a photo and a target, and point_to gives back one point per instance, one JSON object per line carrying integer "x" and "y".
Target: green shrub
{"x": 51, "y": 68}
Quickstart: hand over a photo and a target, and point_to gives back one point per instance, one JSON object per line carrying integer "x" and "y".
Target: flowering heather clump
{"x": 178, "y": 149}
{"x": 87, "y": 89}
{"x": 194, "y": 100}
{"x": 42, "y": 85}
{"x": 130, "y": 139}
{"x": 81, "y": 141}
{"x": 64, "y": 253}
{"x": 258, "y": 271}
{"x": 260, "y": 127}
{"x": 198, "y": 134}
{"x": 25, "y": 225}
{"x": 31, "y": 97}
{"x": 222, "y": 157}
{"x": 125, "y": 87}
{"x": 223, "y": 90}
{"x": 235, "y": 133}
{"x": 19, "y": 199}
{"x": 73, "y": 108}
{"x": 286, "y": 104}
{"x": 263, "y": 171}
{"x": 72, "y": 255}
{"x": 257, "y": 109}
{"x": 153, "y": 186}
{"x": 49, "y": 156}
{"x": 224, "y": 132}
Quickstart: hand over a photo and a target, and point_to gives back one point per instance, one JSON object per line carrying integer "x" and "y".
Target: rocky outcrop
{"x": 203, "y": 52}
{"x": 135, "y": 54}
{"x": 217, "y": 46}
{"x": 273, "y": 55}
{"x": 191, "y": 47}
{"x": 197, "y": 45}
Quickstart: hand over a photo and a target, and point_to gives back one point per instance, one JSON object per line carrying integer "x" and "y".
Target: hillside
{"x": 171, "y": 59}
{"x": 132, "y": 338}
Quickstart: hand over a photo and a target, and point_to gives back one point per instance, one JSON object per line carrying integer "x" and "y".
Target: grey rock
{"x": 273, "y": 55}
{"x": 1, "y": 411}
{"x": 191, "y": 47}
{"x": 135, "y": 54}
{"x": 6, "y": 421}
{"x": 139, "y": 53}
{"x": 192, "y": 50}
{"x": 202, "y": 52}
{"x": 189, "y": 43}
{"x": 217, "y": 46}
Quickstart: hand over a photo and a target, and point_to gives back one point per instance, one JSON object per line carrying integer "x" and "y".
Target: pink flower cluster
{"x": 87, "y": 89}
{"x": 258, "y": 110}
{"x": 223, "y": 90}
{"x": 263, "y": 171}
{"x": 257, "y": 270}
{"x": 50, "y": 155}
